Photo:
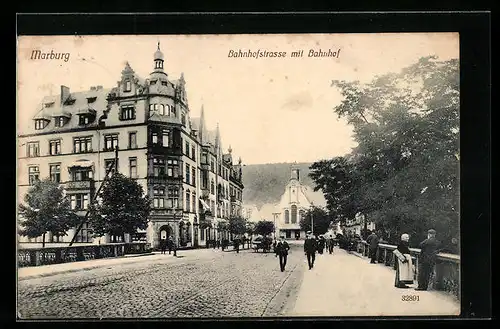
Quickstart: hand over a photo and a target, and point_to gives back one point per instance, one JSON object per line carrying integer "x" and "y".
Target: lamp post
{"x": 312, "y": 219}
{"x": 275, "y": 215}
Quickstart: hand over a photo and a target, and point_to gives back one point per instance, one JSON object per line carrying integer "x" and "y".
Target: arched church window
{"x": 294, "y": 214}
{"x": 287, "y": 217}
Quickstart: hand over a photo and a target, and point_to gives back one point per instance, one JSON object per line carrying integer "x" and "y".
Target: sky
{"x": 269, "y": 110}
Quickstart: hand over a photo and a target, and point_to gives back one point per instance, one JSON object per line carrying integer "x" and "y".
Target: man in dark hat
{"x": 372, "y": 241}
{"x": 310, "y": 247}
{"x": 429, "y": 248}
{"x": 281, "y": 250}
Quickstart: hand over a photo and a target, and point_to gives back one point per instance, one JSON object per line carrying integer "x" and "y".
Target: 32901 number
{"x": 410, "y": 298}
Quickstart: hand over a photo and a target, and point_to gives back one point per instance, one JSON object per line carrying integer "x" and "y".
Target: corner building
{"x": 177, "y": 160}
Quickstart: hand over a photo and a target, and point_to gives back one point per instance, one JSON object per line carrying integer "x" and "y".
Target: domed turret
{"x": 158, "y": 59}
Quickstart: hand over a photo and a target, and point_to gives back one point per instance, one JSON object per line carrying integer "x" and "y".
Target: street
{"x": 199, "y": 283}
{"x": 211, "y": 283}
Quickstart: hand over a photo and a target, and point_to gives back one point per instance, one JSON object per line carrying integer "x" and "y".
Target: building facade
{"x": 293, "y": 205}
{"x": 178, "y": 162}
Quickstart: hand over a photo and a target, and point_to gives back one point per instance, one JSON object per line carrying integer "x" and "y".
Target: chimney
{"x": 64, "y": 94}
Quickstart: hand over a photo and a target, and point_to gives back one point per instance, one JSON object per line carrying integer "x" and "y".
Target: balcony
{"x": 80, "y": 185}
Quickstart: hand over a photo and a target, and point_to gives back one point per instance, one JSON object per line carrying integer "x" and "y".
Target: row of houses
{"x": 193, "y": 182}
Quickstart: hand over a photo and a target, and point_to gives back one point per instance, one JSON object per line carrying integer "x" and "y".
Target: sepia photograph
{"x": 237, "y": 175}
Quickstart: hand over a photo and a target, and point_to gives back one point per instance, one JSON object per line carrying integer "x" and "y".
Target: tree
{"x": 123, "y": 209}
{"x": 237, "y": 225}
{"x": 250, "y": 228}
{"x": 403, "y": 174}
{"x": 46, "y": 210}
{"x": 320, "y": 218}
{"x": 264, "y": 227}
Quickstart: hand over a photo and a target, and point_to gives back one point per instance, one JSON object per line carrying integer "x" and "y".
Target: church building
{"x": 293, "y": 205}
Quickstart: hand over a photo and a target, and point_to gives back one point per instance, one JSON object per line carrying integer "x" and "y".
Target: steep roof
{"x": 81, "y": 104}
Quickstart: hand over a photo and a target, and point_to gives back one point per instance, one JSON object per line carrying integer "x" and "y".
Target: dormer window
{"x": 84, "y": 120}
{"x": 40, "y": 124}
{"x": 153, "y": 82}
{"x": 69, "y": 101}
{"x": 60, "y": 121}
{"x": 91, "y": 100}
{"x": 128, "y": 86}
{"x": 49, "y": 104}
{"x": 164, "y": 83}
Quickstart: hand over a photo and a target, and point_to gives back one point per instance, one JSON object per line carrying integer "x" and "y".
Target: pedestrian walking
{"x": 172, "y": 246}
{"x": 372, "y": 241}
{"x": 331, "y": 243}
{"x": 429, "y": 248}
{"x": 163, "y": 246}
{"x": 310, "y": 248}
{"x": 281, "y": 250}
{"x": 236, "y": 244}
{"x": 404, "y": 266}
{"x": 321, "y": 245}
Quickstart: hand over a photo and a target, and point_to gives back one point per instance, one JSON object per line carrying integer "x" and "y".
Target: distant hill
{"x": 265, "y": 183}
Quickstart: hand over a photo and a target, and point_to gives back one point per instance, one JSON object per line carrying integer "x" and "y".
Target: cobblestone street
{"x": 199, "y": 283}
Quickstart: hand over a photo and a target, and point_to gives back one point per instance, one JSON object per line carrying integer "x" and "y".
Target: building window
{"x": 152, "y": 82}
{"x": 110, "y": 142}
{"x": 33, "y": 149}
{"x": 127, "y": 113}
{"x": 132, "y": 140}
{"x": 55, "y": 147}
{"x": 79, "y": 201}
{"x": 166, "y": 138}
{"x": 173, "y": 197}
{"x": 172, "y": 111}
{"x": 34, "y": 174}
{"x": 294, "y": 214}
{"x": 193, "y": 201}
{"x": 183, "y": 119}
{"x": 202, "y": 235}
{"x": 40, "y": 124}
{"x": 193, "y": 153}
{"x": 186, "y": 150}
{"x": 55, "y": 173}
{"x": 60, "y": 121}
{"x": 188, "y": 201}
{"x": 81, "y": 174}
{"x": 133, "y": 167}
{"x": 91, "y": 100}
{"x": 161, "y": 109}
{"x": 163, "y": 83}
{"x": 172, "y": 168}
{"x": 159, "y": 197}
{"x": 287, "y": 217}
{"x": 158, "y": 167}
{"x": 212, "y": 165}
{"x": 212, "y": 187}
{"x": 84, "y": 235}
{"x": 82, "y": 144}
{"x": 193, "y": 175}
{"x": 188, "y": 173}
{"x": 109, "y": 163}
{"x": 84, "y": 120}
{"x": 128, "y": 86}
{"x": 154, "y": 137}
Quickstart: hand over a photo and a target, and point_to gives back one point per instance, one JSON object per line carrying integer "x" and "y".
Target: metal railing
{"x": 66, "y": 254}
{"x": 446, "y": 274}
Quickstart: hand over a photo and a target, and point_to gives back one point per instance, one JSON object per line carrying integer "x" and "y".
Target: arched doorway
{"x": 163, "y": 233}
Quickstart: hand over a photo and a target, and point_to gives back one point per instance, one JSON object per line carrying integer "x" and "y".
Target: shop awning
{"x": 82, "y": 164}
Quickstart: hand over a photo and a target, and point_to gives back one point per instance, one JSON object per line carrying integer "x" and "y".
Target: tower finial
{"x": 158, "y": 45}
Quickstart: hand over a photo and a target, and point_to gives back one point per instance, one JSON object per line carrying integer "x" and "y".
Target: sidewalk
{"x": 31, "y": 272}
{"x": 346, "y": 285}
